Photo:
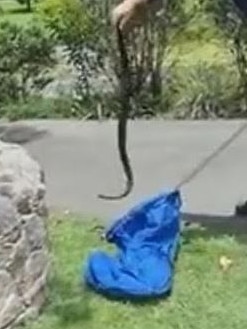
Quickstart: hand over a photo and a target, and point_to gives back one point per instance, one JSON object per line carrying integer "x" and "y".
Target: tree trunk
{"x": 29, "y": 5}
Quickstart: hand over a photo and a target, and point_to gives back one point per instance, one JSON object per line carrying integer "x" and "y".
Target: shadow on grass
{"x": 69, "y": 303}
{"x": 207, "y": 226}
{"x": 134, "y": 300}
{"x": 16, "y": 11}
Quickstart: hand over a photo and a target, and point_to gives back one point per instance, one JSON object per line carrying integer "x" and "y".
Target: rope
{"x": 199, "y": 168}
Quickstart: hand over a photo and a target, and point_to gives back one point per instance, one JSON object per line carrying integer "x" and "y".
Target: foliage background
{"x": 185, "y": 64}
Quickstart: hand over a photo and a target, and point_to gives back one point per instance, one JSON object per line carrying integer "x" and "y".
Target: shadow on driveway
{"x": 213, "y": 226}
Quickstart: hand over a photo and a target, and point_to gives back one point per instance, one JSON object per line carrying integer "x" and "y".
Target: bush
{"x": 200, "y": 91}
{"x": 230, "y": 17}
{"x": 78, "y": 29}
{"x": 83, "y": 27}
{"x": 203, "y": 91}
{"x": 39, "y": 108}
{"x": 217, "y": 87}
{"x": 26, "y": 55}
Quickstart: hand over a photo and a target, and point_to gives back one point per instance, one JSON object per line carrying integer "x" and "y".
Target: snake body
{"x": 125, "y": 108}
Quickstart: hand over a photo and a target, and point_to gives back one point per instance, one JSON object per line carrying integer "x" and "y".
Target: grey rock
{"x": 6, "y": 287}
{"x": 30, "y": 313}
{"x": 17, "y": 260}
{"x": 5, "y": 253}
{"x": 11, "y": 310}
{"x": 6, "y": 189}
{"x": 7, "y": 176}
{"x": 35, "y": 296}
{"x": 23, "y": 251}
{"x": 9, "y": 218}
{"x": 10, "y": 303}
{"x": 26, "y": 177}
{"x": 34, "y": 268}
{"x": 35, "y": 231}
{"x": 24, "y": 201}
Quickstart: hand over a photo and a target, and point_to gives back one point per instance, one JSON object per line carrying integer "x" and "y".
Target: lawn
{"x": 14, "y": 12}
{"x": 204, "y": 296}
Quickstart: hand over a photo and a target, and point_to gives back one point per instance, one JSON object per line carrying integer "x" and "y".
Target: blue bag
{"x": 147, "y": 239}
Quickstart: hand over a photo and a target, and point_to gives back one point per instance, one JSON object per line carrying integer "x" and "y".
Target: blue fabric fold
{"x": 147, "y": 239}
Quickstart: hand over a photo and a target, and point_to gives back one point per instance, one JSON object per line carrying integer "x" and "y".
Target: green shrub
{"x": 83, "y": 27}
{"x": 26, "y": 55}
{"x": 232, "y": 23}
{"x": 38, "y": 108}
{"x": 78, "y": 28}
{"x": 203, "y": 91}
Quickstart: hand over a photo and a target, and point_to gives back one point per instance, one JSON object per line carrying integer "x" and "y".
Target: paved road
{"x": 80, "y": 161}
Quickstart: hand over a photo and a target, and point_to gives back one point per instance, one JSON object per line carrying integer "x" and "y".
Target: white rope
{"x": 199, "y": 168}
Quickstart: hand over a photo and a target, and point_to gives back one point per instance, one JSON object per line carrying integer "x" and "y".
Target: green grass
{"x": 15, "y": 13}
{"x": 204, "y": 297}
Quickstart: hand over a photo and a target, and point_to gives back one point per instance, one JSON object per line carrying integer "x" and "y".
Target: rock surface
{"x": 23, "y": 241}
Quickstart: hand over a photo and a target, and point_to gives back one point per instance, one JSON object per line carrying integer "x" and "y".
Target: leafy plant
{"x": 84, "y": 28}
{"x": 78, "y": 30}
{"x": 203, "y": 91}
{"x": 231, "y": 17}
{"x": 39, "y": 108}
{"x": 26, "y": 54}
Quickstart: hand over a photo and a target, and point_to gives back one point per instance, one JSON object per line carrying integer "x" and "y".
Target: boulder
{"x": 24, "y": 261}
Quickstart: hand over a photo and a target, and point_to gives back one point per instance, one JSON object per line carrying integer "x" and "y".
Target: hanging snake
{"x": 125, "y": 108}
